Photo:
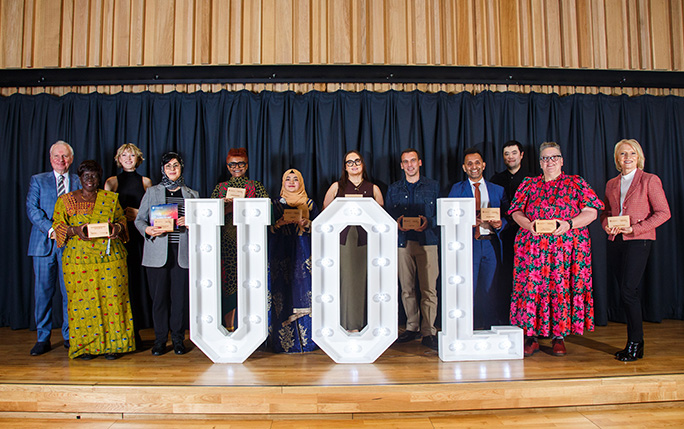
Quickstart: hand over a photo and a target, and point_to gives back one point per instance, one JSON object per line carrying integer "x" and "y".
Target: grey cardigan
{"x": 155, "y": 250}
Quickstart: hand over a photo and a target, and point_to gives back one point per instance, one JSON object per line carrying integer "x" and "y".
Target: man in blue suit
{"x": 47, "y": 257}
{"x": 490, "y": 304}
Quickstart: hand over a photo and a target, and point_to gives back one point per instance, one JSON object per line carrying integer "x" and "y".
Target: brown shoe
{"x": 531, "y": 346}
{"x": 558, "y": 347}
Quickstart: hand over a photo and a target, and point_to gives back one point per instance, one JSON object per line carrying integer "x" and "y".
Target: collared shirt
{"x": 625, "y": 183}
{"x": 484, "y": 198}
{"x": 66, "y": 180}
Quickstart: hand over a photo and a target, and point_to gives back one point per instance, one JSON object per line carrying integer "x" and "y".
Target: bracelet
{"x": 569, "y": 221}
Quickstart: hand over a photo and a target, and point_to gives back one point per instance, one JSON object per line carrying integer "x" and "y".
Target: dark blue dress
{"x": 289, "y": 280}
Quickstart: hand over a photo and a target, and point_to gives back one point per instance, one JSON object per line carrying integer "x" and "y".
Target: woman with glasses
{"x": 640, "y": 197}
{"x": 353, "y": 182}
{"x": 289, "y": 255}
{"x": 552, "y": 289}
{"x": 165, "y": 253}
{"x": 237, "y": 164}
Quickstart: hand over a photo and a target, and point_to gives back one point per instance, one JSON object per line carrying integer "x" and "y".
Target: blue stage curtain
{"x": 312, "y": 131}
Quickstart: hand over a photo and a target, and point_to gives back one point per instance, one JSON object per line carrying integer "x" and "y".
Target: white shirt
{"x": 66, "y": 188}
{"x": 625, "y": 183}
{"x": 484, "y": 199}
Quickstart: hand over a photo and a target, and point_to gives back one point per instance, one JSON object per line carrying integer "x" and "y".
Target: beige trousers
{"x": 423, "y": 261}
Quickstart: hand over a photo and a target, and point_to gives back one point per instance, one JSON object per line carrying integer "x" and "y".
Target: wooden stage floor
{"x": 407, "y": 380}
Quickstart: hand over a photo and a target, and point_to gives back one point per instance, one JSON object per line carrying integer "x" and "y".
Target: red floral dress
{"x": 552, "y": 291}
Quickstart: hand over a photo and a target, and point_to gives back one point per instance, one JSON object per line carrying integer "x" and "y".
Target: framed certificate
{"x": 411, "y": 222}
{"x": 353, "y": 195}
{"x": 292, "y": 215}
{"x": 164, "y": 216}
{"x": 490, "y": 213}
{"x": 618, "y": 221}
{"x": 235, "y": 193}
{"x": 98, "y": 230}
{"x": 543, "y": 226}
{"x": 166, "y": 224}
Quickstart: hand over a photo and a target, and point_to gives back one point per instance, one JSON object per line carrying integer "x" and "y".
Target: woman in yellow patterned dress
{"x": 95, "y": 270}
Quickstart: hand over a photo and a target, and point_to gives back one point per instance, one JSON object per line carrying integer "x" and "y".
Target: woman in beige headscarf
{"x": 290, "y": 267}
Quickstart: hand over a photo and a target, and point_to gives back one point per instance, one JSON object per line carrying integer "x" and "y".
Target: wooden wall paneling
{"x": 183, "y": 26}
{"x": 481, "y": 35}
{"x": 235, "y": 32}
{"x": 121, "y": 43}
{"x": 509, "y": 35}
{"x": 202, "y": 43}
{"x": 552, "y": 24}
{"x": 583, "y": 9}
{"x": 677, "y": 25}
{"x": 538, "y": 33}
{"x": 251, "y": 34}
{"x": 301, "y": 29}
{"x": 599, "y": 36}
{"x": 94, "y": 34}
{"x": 376, "y": 32}
{"x": 645, "y": 39}
{"x": 525, "y": 33}
{"x": 359, "y": 32}
{"x": 397, "y": 32}
{"x": 11, "y": 23}
{"x": 418, "y": 43}
{"x": 465, "y": 43}
{"x": 162, "y": 29}
{"x": 318, "y": 32}
{"x": 66, "y": 34}
{"x": 340, "y": 30}
{"x": 80, "y": 33}
{"x": 108, "y": 33}
{"x": 284, "y": 31}
{"x": 631, "y": 30}
{"x": 616, "y": 16}
{"x": 268, "y": 31}
{"x": 46, "y": 30}
{"x": 435, "y": 37}
{"x": 27, "y": 34}
{"x": 219, "y": 35}
{"x": 136, "y": 33}
{"x": 660, "y": 30}
{"x": 568, "y": 23}
{"x": 493, "y": 24}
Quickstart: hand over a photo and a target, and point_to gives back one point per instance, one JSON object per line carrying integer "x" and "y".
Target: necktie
{"x": 60, "y": 186}
{"x": 478, "y": 202}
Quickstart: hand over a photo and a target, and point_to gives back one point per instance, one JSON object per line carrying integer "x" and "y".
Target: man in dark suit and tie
{"x": 490, "y": 305}
{"x": 44, "y": 190}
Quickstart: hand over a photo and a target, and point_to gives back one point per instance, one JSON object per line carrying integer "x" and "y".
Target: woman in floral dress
{"x": 552, "y": 291}
{"x": 237, "y": 164}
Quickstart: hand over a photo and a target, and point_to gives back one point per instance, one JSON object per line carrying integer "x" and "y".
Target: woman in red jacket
{"x": 640, "y": 196}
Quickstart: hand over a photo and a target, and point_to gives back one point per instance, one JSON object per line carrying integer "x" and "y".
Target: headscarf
{"x": 165, "y": 181}
{"x": 297, "y": 199}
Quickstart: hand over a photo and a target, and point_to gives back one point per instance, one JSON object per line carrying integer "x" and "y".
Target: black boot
{"x": 632, "y": 352}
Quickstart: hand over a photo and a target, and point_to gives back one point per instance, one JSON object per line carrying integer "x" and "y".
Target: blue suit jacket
{"x": 40, "y": 205}
{"x": 497, "y": 197}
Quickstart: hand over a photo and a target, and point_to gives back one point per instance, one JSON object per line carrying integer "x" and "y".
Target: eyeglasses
{"x": 240, "y": 164}
{"x": 172, "y": 166}
{"x": 353, "y": 162}
{"x": 552, "y": 158}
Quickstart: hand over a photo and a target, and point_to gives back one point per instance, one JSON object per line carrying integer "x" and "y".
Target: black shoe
{"x": 430, "y": 341}
{"x": 87, "y": 357}
{"x": 158, "y": 349}
{"x": 112, "y": 356}
{"x": 632, "y": 352}
{"x": 407, "y": 336}
{"x": 179, "y": 347}
{"x": 40, "y": 348}
{"x": 66, "y": 344}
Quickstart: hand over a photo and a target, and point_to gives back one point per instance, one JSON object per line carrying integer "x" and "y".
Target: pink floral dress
{"x": 552, "y": 291}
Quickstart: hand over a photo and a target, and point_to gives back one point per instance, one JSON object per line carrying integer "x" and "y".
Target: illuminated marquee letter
{"x": 457, "y": 341}
{"x": 381, "y": 329}
{"x": 204, "y": 218}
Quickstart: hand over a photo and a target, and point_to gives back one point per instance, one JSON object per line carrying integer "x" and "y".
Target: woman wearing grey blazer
{"x": 165, "y": 255}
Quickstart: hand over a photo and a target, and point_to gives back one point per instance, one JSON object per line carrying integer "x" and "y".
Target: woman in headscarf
{"x": 290, "y": 267}
{"x": 165, "y": 254}
{"x": 237, "y": 164}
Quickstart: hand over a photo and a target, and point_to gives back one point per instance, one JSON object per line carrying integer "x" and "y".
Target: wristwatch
{"x": 569, "y": 221}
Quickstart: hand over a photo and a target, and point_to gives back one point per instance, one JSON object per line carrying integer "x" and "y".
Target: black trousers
{"x": 169, "y": 292}
{"x": 627, "y": 260}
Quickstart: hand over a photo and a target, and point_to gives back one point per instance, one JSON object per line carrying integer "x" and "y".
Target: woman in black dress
{"x": 131, "y": 187}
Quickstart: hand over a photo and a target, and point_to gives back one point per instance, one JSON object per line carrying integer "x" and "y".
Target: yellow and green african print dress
{"x": 96, "y": 277}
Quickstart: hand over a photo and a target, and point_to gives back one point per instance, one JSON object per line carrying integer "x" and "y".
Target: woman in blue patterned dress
{"x": 289, "y": 258}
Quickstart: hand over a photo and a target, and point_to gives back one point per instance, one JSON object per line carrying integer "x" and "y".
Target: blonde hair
{"x": 130, "y": 147}
{"x": 637, "y": 148}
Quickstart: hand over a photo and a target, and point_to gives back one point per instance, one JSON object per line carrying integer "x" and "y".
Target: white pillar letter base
{"x": 204, "y": 218}
{"x": 457, "y": 341}
{"x": 381, "y": 330}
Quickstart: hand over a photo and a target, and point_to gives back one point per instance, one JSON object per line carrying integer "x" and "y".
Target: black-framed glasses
{"x": 240, "y": 164}
{"x": 353, "y": 162}
{"x": 552, "y": 158}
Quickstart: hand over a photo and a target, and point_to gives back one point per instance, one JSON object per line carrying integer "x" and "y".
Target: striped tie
{"x": 60, "y": 186}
